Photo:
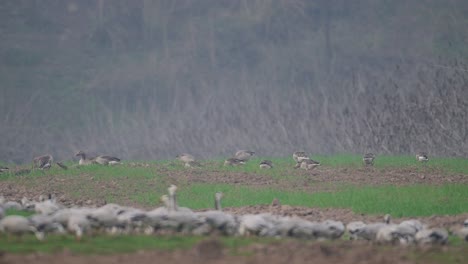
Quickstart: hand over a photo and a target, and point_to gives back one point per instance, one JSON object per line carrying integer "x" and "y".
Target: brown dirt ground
{"x": 94, "y": 192}
{"x": 213, "y": 251}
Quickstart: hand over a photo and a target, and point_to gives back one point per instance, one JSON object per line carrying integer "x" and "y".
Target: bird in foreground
{"x": 463, "y": 232}
{"x": 43, "y": 162}
{"x": 19, "y": 225}
{"x": 368, "y": 159}
{"x": 244, "y": 155}
{"x": 266, "y": 164}
{"x": 234, "y": 162}
{"x": 434, "y": 236}
{"x": 422, "y": 157}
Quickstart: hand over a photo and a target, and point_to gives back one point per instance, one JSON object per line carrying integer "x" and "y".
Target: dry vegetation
{"x": 151, "y": 79}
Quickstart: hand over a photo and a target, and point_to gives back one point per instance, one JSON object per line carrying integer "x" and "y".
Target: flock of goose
{"x": 301, "y": 158}
{"x": 53, "y": 218}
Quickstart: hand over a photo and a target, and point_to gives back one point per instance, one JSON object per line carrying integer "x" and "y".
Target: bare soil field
{"x": 213, "y": 251}
{"x": 93, "y": 191}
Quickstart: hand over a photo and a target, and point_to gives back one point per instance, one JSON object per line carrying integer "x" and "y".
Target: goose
{"x": 185, "y": 157}
{"x": 84, "y": 160}
{"x": 233, "y": 162}
{"x": 422, "y": 157}
{"x": 403, "y": 233}
{"x": 180, "y": 219}
{"x": 173, "y": 200}
{"x": 154, "y": 218}
{"x": 256, "y": 224}
{"x": 19, "y": 225}
{"x": 216, "y": 220}
{"x": 463, "y": 232}
{"x": 46, "y": 224}
{"x": 433, "y": 236}
{"x": 368, "y": 159}
{"x": 43, "y": 162}
{"x": 244, "y": 155}
{"x": 12, "y": 205}
{"x": 353, "y": 229}
{"x": 107, "y": 160}
{"x": 329, "y": 229}
{"x": 299, "y": 156}
{"x": 294, "y": 227}
{"x": 47, "y": 207}
{"x": 105, "y": 216}
{"x": 266, "y": 164}
{"x": 3, "y": 169}
{"x": 309, "y": 164}
{"x": 79, "y": 224}
{"x": 369, "y": 231}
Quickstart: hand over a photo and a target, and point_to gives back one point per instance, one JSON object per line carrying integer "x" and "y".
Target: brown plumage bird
{"x": 43, "y": 162}
{"x": 422, "y": 157}
{"x": 368, "y": 159}
{"x": 266, "y": 164}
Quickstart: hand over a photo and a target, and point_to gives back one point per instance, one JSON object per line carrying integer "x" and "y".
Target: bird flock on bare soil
{"x": 53, "y": 218}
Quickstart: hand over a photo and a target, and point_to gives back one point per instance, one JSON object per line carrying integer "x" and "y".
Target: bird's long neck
{"x": 172, "y": 202}
{"x": 218, "y": 204}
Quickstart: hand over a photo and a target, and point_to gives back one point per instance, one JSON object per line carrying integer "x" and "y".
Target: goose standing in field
{"x": 43, "y": 162}
{"x": 244, "y": 155}
{"x": 19, "y": 225}
{"x": 309, "y": 164}
{"x": 422, "y": 157}
{"x": 368, "y": 159}
{"x": 233, "y": 162}
{"x": 266, "y": 164}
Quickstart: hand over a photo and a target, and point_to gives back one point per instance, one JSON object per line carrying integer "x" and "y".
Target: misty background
{"x": 144, "y": 79}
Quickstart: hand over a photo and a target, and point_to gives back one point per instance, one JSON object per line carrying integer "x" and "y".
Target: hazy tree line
{"x": 149, "y": 79}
